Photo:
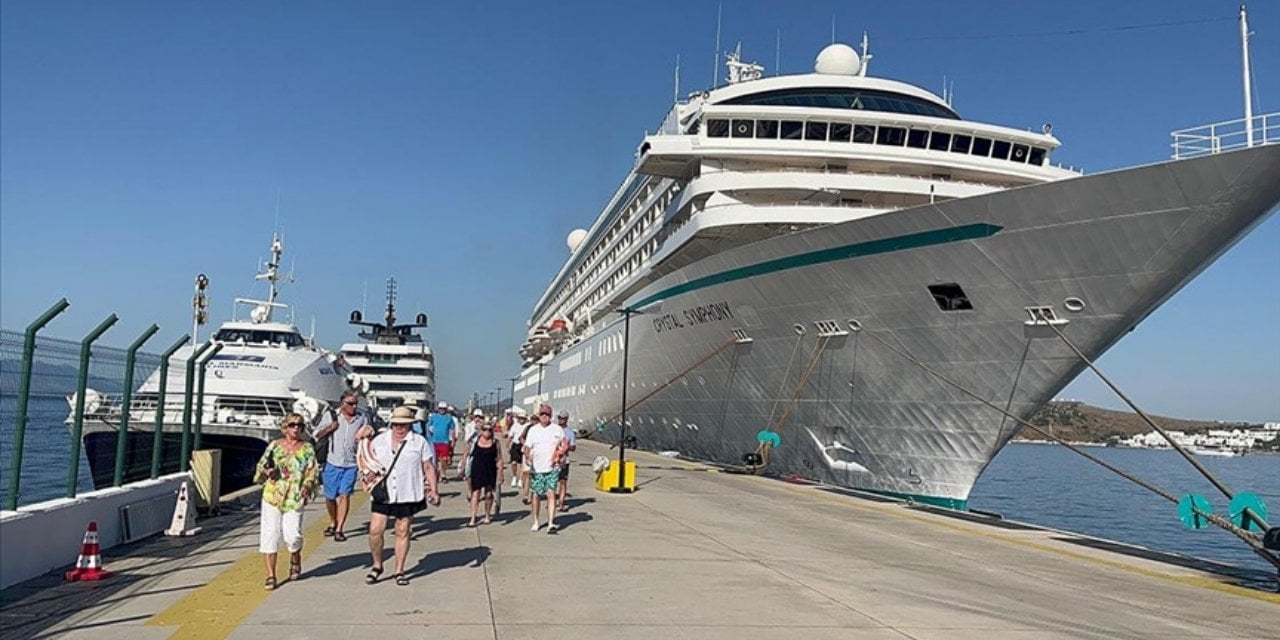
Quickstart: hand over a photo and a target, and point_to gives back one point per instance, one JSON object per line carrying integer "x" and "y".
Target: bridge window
{"x": 743, "y": 128}
{"x": 815, "y": 131}
{"x": 1000, "y": 149}
{"x": 767, "y": 129}
{"x": 1036, "y": 156}
{"x": 847, "y": 98}
{"x": 864, "y": 133}
{"x": 893, "y": 136}
{"x": 792, "y": 130}
{"x": 840, "y": 131}
{"x": 917, "y": 138}
{"x": 940, "y": 141}
{"x": 717, "y": 128}
{"x": 960, "y": 143}
{"x": 1019, "y": 153}
{"x": 982, "y": 147}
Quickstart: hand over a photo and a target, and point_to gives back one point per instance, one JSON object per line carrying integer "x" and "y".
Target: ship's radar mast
{"x": 740, "y": 71}
{"x": 389, "y": 332}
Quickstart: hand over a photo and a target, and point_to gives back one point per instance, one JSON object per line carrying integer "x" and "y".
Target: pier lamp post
{"x": 497, "y": 401}
{"x": 626, "y": 312}
{"x": 541, "y": 365}
{"x": 513, "y": 394}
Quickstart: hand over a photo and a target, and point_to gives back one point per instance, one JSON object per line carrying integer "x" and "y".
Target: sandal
{"x": 295, "y": 570}
{"x": 270, "y": 584}
{"x": 339, "y": 537}
{"x": 402, "y": 580}
{"x": 488, "y": 520}
{"x": 328, "y": 531}
{"x": 373, "y": 575}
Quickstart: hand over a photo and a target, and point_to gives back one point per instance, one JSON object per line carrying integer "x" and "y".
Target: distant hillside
{"x": 1079, "y": 422}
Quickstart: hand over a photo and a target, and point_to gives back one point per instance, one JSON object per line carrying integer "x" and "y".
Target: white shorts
{"x": 276, "y": 525}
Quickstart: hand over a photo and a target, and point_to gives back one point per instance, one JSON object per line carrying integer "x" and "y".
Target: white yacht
{"x": 395, "y": 364}
{"x": 265, "y": 369}
{"x": 798, "y": 250}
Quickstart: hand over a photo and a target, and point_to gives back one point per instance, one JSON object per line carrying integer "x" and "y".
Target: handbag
{"x": 379, "y": 492}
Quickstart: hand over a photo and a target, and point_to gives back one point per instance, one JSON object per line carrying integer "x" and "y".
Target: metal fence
{"x": 1226, "y": 136}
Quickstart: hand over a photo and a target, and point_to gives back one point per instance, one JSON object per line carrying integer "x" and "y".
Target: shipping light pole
{"x": 622, "y": 486}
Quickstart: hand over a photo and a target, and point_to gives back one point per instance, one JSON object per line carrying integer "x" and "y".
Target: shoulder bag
{"x": 379, "y": 492}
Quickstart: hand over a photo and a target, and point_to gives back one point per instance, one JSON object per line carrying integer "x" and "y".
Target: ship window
{"x": 1019, "y": 153}
{"x": 950, "y": 297}
{"x": 1036, "y": 156}
{"x": 717, "y": 128}
{"x": 960, "y": 143}
{"x": 864, "y": 133}
{"x": 1000, "y": 149}
{"x": 693, "y": 130}
{"x": 982, "y": 147}
{"x": 792, "y": 130}
{"x": 840, "y": 131}
{"x": 917, "y": 138}
{"x": 940, "y": 141}
{"x": 846, "y": 98}
{"x": 742, "y": 128}
{"x": 894, "y": 136}
{"x": 766, "y": 128}
{"x": 815, "y": 131}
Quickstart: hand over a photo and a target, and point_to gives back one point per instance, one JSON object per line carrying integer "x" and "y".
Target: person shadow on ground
{"x": 447, "y": 558}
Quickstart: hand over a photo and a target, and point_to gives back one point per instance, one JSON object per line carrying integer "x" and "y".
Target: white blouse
{"x": 404, "y": 484}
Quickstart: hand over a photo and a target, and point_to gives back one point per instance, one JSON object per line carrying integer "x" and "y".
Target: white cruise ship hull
{"x": 864, "y": 417}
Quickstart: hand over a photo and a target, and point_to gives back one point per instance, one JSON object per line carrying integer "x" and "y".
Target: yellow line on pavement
{"x": 217, "y": 609}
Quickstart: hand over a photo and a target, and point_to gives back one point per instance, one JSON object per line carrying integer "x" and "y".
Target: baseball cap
{"x": 478, "y": 413}
{"x": 562, "y": 414}
{"x": 442, "y": 405}
{"x": 544, "y": 408}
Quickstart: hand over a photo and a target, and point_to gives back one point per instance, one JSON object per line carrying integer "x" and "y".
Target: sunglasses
{"x": 349, "y": 403}
{"x": 293, "y": 425}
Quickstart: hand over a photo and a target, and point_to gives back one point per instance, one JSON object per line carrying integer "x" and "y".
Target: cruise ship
{"x": 264, "y": 369}
{"x": 803, "y": 259}
{"x": 396, "y": 366}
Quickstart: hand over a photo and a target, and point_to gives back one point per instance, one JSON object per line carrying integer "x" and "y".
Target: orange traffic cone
{"x": 89, "y": 564}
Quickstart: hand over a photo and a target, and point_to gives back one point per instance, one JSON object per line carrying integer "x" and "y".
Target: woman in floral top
{"x": 289, "y": 474}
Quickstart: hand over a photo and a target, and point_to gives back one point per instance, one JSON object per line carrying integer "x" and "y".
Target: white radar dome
{"x": 575, "y": 239}
{"x": 838, "y": 60}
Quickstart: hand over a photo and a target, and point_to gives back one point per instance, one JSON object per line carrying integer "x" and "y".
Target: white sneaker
{"x": 536, "y": 526}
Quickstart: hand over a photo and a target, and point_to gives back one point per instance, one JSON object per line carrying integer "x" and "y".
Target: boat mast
{"x": 1248, "y": 72}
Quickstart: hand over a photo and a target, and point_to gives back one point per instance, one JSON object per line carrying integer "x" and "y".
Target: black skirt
{"x": 484, "y": 467}
{"x": 399, "y": 509}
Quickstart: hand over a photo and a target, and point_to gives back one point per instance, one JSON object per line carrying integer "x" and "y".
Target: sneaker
{"x": 553, "y": 527}
{"x": 536, "y": 525}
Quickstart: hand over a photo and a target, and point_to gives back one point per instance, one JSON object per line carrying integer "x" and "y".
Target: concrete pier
{"x": 694, "y": 553}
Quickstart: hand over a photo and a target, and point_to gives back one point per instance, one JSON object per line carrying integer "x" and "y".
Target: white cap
{"x": 521, "y": 413}
{"x": 442, "y": 405}
{"x": 478, "y": 413}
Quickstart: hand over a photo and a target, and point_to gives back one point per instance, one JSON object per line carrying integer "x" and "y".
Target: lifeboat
{"x": 559, "y": 329}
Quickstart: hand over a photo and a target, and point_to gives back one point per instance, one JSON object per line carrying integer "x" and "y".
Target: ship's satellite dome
{"x": 575, "y": 239}
{"x": 837, "y": 60}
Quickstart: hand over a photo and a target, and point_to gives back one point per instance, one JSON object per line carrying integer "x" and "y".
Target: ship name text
{"x": 700, "y": 314}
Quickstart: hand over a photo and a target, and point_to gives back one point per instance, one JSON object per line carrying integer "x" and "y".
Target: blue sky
{"x": 455, "y": 145}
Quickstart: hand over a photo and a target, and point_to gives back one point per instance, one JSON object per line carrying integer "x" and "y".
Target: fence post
{"x": 24, "y": 390}
{"x": 184, "y": 463}
{"x": 204, "y": 363}
{"x": 126, "y": 401}
{"x": 162, "y": 402}
{"x": 73, "y": 472}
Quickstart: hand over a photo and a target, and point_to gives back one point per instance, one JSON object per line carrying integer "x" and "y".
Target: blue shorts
{"x": 338, "y": 481}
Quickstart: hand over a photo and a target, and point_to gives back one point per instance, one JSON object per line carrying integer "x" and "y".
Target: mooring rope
{"x": 673, "y": 380}
{"x": 1248, "y": 537}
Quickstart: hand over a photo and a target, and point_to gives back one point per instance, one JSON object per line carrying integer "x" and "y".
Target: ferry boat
{"x": 777, "y": 235}
{"x": 397, "y": 367}
{"x": 265, "y": 369}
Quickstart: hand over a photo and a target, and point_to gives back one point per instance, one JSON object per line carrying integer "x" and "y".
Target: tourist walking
{"x": 515, "y": 436}
{"x": 484, "y": 472}
{"x": 469, "y": 434}
{"x": 442, "y": 429}
{"x": 338, "y": 436}
{"x": 288, "y": 473}
{"x": 570, "y": 445}
{"x": 543, "y": 448}
{"x": 400, "y": 474}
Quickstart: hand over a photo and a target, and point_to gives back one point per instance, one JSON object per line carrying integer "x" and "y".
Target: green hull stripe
{"x": 947, "y": 503}
{"x": 885, "y": 245}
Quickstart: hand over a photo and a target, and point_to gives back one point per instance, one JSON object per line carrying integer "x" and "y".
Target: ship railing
{"x": 1225, "y": 136}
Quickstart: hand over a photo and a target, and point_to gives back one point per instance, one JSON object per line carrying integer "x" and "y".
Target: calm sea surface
{"x": 1041, "y": 484}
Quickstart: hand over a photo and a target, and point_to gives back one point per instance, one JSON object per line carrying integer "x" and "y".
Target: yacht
{"x": 264, "y": 369}
{"x": 395, "y": 364}
{"x": 795, "y": 263}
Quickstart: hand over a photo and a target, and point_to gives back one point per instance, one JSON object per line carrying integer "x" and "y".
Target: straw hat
{"x": 403, "y": 415}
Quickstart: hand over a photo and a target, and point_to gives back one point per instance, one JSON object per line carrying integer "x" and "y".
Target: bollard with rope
{"x": 1249, "y": 538}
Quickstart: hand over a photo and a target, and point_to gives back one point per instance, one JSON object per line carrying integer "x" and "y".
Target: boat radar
{"x": 262, "y": 309}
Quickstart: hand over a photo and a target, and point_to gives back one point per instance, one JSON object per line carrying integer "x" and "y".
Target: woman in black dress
{"x": 484, "y": 472}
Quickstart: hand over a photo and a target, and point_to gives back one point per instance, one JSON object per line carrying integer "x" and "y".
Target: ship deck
{"x": 694, "y": 553}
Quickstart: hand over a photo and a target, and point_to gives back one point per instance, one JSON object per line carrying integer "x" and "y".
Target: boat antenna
{"x": 866, "y": 55}
{"x": 833, "y": 28}
{"x": 364, "y": 297}
{"x": 677, "y": 91}
{"x": 391, "y": 301}
{"x": 1248, "y": 73}
{"x": 715, "y": 60}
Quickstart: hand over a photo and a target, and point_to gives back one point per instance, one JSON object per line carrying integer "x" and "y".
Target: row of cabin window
{"x": 871, "y": 134}
{"x": 651, "y": 217}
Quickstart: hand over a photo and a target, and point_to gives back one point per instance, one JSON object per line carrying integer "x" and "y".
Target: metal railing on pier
{"x": 1225, "y": 136}
{"x": 48, "y": 387}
